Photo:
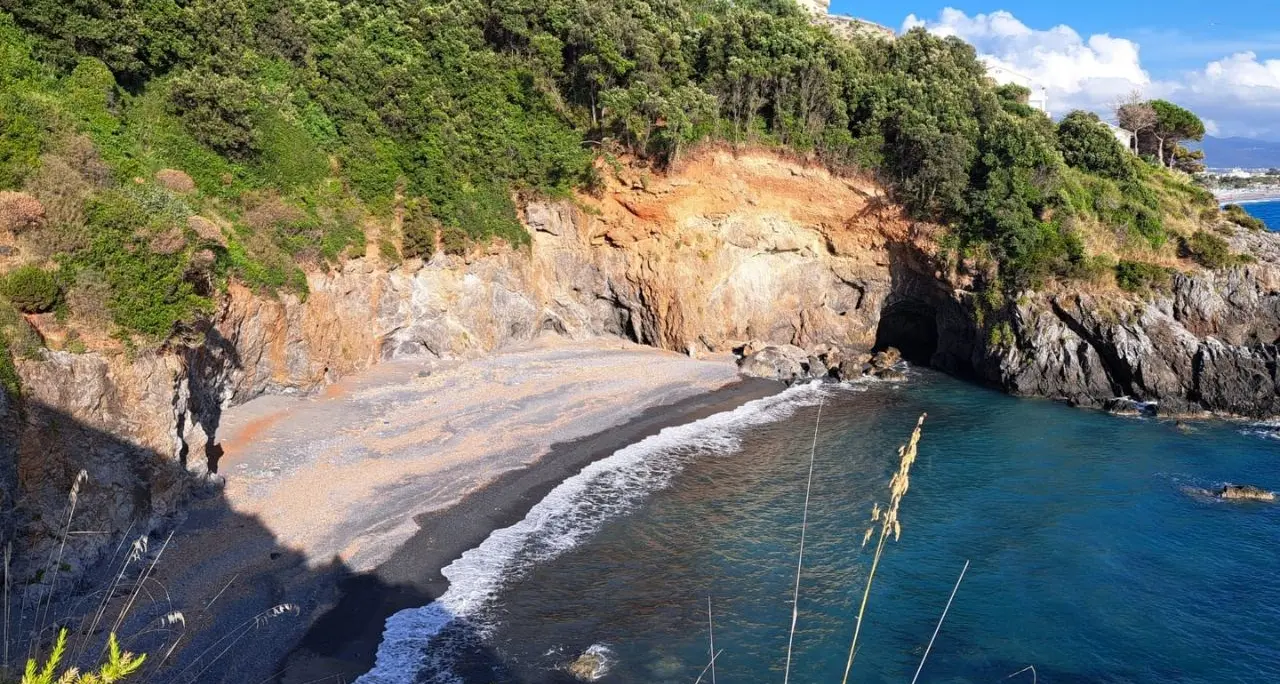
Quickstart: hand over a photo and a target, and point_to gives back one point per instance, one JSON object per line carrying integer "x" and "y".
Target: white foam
{"x": 570, "y": 513}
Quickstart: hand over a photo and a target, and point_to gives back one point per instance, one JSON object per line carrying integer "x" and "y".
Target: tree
{"x": 1188, "y": 161}
{"x": 1086, "y": 143}
{"x": 1136, "y": 114}
{"x": 217, "y": 110}
{"x": 1173, "y": 125}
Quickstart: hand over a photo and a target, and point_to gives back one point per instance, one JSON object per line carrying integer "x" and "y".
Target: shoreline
{"x": 342, "y": 643}
{"x": 342, "y": 508}
{"x": 1245, "y": 196}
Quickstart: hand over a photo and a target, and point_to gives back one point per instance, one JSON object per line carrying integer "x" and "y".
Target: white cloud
{"x": 1078, "y": 73}
{"x": 1237, "y": 95}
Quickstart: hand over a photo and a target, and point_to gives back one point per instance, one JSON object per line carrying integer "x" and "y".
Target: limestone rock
{"x": 787, "y": 363}
{"x": 1245, "y": 493}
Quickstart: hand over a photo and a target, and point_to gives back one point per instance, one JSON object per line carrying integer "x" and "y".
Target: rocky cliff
{"x": 1207, "y": 344}
{"x": 730, "y": 249}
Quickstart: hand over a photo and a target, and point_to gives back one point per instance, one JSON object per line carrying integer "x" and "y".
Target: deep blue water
{"x": 1268, "y": 211}
{"x": 1090, "y": 560}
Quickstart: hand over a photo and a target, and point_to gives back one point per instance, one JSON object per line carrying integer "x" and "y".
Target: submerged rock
{"x": 591, "y": 665}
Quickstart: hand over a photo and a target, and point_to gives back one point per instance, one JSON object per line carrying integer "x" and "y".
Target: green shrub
{"x": 1207, "y": 249}
{"x": 419, "y": 234}
{"x": 150, "y": 292}
{"x": 217, "y": 109}
{"x": 387, "y": 250}
{"x": 1241, "y": 217}
{"x": 31, "y": 289}
{"x": 453, "y": 241}
{"x": 1087, "y": 143}
{"x": 10, "y": 382}
{"x": 1138, "y": 276}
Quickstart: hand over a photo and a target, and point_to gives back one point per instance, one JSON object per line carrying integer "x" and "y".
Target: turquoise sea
{"x": 1268, "y": 211}
{"x": 1092, "y": 557}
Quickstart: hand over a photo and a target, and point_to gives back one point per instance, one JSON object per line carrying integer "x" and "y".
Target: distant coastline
{"x": 1269, "y": 193}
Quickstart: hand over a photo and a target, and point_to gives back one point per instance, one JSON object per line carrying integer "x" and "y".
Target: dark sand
{"x": 342, "y": 643}
{"x": 346, "y": 507}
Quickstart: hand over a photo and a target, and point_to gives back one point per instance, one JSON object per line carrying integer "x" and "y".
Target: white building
{"x": 1039, "y": 98}
{"x": 1127, "y": 138}
{"x": 847, "y": 27}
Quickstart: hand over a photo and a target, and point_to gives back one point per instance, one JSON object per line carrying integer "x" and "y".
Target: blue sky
{"x": 1221, "y": 59}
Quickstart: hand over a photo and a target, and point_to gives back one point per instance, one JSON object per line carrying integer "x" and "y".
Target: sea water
{"x": 1093, "y": 558}
{"x": 1268, "y": 211}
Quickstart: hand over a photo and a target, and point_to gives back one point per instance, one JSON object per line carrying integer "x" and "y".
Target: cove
{"x": 1090, "y": 561}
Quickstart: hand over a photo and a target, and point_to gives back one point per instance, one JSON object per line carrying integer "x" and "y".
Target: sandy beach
{"x": 1260, "y": 194}
{"x": 343, "y": 508}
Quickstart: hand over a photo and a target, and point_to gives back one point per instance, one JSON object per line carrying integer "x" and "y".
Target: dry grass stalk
{"x": 804, "y": 525}
{"x": 711, "y": 637}
{"x": 708, "y": 666}
{"x": 888, "y": 523}
{"x": 55, "y": 562}
{"x": 8, "y": 557}
{"x": 1031, "y": 668}
{"x": 234, "y": 636}
{"x": 939, "y": 627}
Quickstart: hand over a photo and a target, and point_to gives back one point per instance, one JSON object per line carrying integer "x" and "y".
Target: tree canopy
{"x": 296, "y": 118}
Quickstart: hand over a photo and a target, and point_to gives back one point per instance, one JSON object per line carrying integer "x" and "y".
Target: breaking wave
{"x": 418, "y": 643}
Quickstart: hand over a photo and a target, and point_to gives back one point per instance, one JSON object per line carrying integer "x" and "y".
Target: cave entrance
{"x": 912, "y": 327}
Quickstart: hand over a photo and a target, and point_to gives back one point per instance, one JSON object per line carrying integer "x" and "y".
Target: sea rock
{"x": 787, "y": 363}
{"x": 589, "y": 666}
{"x": 850, "y": 369}
{"x": 1124, "y": 406}
{"x": 886, "y": 358}
{"x": 1244, "y": 493}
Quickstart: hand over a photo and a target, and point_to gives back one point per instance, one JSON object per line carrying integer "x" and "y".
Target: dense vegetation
{"x": 175, "y": 144}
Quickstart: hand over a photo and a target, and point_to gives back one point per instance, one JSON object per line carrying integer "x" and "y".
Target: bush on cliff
{"x": 1137, "y": 276}
{"x": 1241, "y": 217}
{"x": 1086, "y": 143}
{"x": 31, "y": 289}
{"x": 1208, "y": 250}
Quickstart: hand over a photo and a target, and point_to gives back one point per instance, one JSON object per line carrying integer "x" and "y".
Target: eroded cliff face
{"x": 728, "y": 250}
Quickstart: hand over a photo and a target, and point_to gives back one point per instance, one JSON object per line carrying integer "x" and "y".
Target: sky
{"x": 1220, "y": 59}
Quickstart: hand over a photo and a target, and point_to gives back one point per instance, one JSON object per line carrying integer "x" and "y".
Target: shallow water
{"x": 1089, "y": 560}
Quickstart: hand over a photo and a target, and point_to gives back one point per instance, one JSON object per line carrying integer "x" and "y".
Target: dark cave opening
{"x": 912, "y": 327}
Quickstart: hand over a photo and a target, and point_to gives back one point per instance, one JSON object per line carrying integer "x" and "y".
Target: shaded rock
{"x": 891, "y": 374}
{"x": 852, "y": 369}
{"x": 1125, "y": 406}
{"x": 829, "y": 355}
{"x": 886, "y": 358}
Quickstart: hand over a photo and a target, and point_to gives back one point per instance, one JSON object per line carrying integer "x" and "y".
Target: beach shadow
{"x": 245, "y": 601}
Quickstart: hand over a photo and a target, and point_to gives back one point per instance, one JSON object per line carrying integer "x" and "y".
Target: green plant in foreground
{"x": 119, "y": 665}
